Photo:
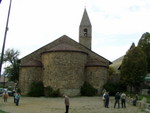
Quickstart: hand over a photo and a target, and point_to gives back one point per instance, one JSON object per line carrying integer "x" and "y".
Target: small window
{"x": 85, "y": 32}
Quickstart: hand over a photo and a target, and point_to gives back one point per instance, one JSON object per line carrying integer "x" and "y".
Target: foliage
{"x": 111, "y": 70}
{"x": 146, "y": 96}
{"x": 47, "y": 91}
{"x": 11, "y": 56}
{"x": 19, "y": 90}
{"x": 12, "y": 70}
{"x": 50, "y": 92}
{"x": 113, "y": 87}
{"x": 88, "y": 90}
{"x": 133, "y": 68}
{"x": 36, "y": 89}
{"x": 144, "y": 44}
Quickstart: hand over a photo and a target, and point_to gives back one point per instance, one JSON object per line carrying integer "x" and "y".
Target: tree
{"x": 12, "y": 70}
{"x": 134, "y": 68}
{"x": 111, "y": 70}
{"x": 144, "y": 44}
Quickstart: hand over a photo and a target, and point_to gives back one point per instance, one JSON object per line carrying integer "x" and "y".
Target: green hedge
{"x": 50, "y": 92}
{"x": 36, "y": 89}
{"x": 88, "y": 90}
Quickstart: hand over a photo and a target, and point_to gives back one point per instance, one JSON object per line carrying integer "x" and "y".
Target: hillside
{"x": 116, "y": 63}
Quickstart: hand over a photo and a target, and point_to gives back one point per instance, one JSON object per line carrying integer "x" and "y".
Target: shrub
{"x": 36, "y": 89}
{"x": 88, "y": 90}
{"x": 56, "y": 93}
{"x": 18, "y": 90}
{"x": 52, "y": 93}
{"x": 47, "y": 91}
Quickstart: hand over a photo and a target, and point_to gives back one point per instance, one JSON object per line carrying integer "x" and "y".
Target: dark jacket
{"x": 117, "y": 96}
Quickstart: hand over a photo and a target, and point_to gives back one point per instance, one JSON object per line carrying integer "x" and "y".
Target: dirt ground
{"x": 56, "y": 105}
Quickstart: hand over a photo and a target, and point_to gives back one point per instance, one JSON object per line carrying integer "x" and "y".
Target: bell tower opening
{"x": 85, "y": 32}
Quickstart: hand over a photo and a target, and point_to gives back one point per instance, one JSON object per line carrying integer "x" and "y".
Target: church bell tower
{"x": 85, "y": 31}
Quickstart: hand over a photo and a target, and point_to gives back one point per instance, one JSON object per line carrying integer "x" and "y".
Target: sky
{"x": 116, "y": 24}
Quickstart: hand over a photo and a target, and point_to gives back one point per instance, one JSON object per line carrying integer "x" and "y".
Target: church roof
{"x": 95, "y": 63}
{"x": 85, "y": 19}
{"x": 32, "y": 63}
{"x": 64, "y": 47}
{"x": 64, "y": 43}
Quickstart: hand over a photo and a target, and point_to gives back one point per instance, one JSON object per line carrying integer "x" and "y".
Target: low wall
{"x": 141, "y": 104}
{"x": 144, "y": 105}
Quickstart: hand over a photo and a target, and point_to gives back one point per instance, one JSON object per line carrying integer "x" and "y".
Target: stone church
{"x": 65, "y": 64}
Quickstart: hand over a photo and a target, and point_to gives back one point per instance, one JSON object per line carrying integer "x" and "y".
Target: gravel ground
{"x": 56, "y": 105}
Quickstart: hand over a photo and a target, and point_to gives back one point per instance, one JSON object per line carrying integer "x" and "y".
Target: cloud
{"x": 115, "y": 23}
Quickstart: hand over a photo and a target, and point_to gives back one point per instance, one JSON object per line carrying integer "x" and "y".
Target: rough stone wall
{"x": 97, "y": 76}
{"x": 64, "y": 70}
{"x": 92, "y": 55}
{"x": 27, "y": 76}
{"x": 72, "y": 64}
{"x": 86, "y": 41}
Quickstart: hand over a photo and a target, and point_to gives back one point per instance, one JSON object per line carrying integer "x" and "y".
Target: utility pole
{"x": 6, "y": 29}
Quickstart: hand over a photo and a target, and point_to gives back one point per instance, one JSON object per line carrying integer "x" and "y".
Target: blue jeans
{"x": 17, "y": 102}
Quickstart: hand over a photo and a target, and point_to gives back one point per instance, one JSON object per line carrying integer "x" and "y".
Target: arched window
{"x": 85, "y": 32}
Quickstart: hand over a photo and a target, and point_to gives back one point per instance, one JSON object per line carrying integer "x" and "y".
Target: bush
{"x": 56, "y": 93}
{"x": 36, "y": 89}
{"x": 47, "y": 91}
{"x": 88, "y": 90}
{"x": 113, "y": 87}
{"x": 18, "y": 90}
{"x": 146, "y": 96}
{"x": 52, "y": 93}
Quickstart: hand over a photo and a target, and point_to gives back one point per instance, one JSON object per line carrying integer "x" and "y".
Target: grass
{"x": 3, "y": 111}
{"x": 146, "y": 96}
{"x": 140, "y": 97}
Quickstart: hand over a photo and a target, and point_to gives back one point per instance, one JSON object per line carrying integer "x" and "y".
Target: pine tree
{"x": 144, "y": 44}
{"x": 134, "y": 68}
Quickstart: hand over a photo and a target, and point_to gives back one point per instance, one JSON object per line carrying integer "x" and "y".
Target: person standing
{"x": 117, "y": 99}
{"x": 5, "y": 96}
{"x": 106, "y": 100}
{"x": 67, "y": 104}
{"x": 14, "y": 94}
{"x": 17, "y": 98}
{"x": 135, "y": 100}
{"x": 123, "y": 100}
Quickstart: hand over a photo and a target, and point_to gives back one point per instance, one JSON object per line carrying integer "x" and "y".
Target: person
{"x": 17, "y": 98}
{"x": 135, "y": 100}
{"x": 148, "y": 92}
{"x": 136, "y": 97}
{"x": 5, "y": 96}
{"x": 106, "y": 100}
{"x": 123, "y": 100}
{"x": 117, "y": 99}
{"x": 14, "y": 94}
{"x": 67, "y": 104}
